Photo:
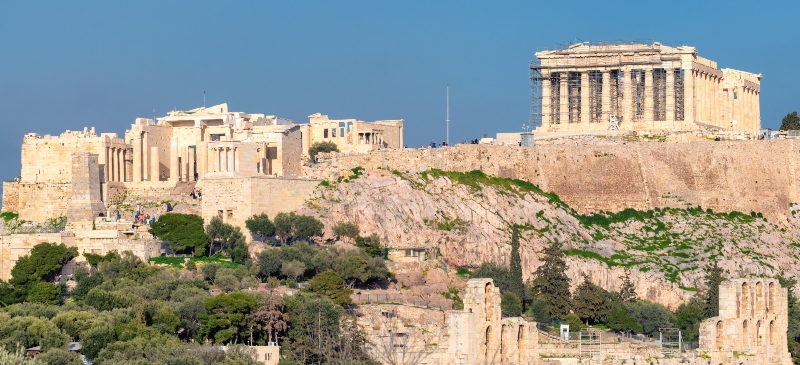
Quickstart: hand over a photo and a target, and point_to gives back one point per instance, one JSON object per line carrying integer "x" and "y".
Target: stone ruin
{"x": 751, "y": 326}
{"x": 750, "y": 329}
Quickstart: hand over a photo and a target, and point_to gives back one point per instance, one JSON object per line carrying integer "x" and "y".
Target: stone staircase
{"x": 183, "y": 188}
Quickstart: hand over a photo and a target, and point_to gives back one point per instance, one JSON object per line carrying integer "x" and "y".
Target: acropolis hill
{"x": 239, "y": 164}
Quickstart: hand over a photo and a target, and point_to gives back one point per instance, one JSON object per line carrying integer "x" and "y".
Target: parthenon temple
{"x": 640, "y": 87}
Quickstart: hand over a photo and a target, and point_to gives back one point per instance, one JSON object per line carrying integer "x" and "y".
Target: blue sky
{"x": 66, "y": 65}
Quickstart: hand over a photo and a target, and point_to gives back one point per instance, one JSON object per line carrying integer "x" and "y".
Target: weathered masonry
{"x": 593, "y": 87}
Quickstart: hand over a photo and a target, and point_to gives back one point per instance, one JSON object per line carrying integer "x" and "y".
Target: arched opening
{"x": 504, "y": 353}
{"x": 758, "y": 334}
{"x": 489, "y": 301}
{"x": 745, "y": 335}
{"x": 759, "y": 298}
{"x": 771, "y": 298}
{"x": 771, "y": 333}
{"x": 522, "y": 346}
{"x": 487, "y": 342}
{"x": 745, "y": 300}
{"x": 719, "y": 334}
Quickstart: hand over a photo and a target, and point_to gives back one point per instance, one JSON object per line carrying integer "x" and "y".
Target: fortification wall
{"x": 10, "y": 196}
{"x": 234, "y": 199}
{"x": 724, "y": 176}
{"x": 39, "y": 202}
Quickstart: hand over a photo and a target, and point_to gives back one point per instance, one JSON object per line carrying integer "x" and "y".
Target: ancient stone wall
{"x": 234, "y": 199}
{"x": 725, "y": 176}
{"x": 480, "y": 335}
{"x": 752, "y": 321}
{"x": 14, "y": 246}
{"x": 10, "y": 196}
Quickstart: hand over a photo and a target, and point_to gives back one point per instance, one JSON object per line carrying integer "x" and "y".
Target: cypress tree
{"x": 517, "y": 286}
{"x": 627, "y": 293}
{"x": 713, "y": 279}
{"x": 552, "y": 282}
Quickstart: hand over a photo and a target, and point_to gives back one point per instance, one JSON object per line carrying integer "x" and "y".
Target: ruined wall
{"x": 724, "y": 176}
{"x": 752, "y": 320}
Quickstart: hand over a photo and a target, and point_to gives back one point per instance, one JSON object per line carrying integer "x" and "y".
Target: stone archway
{"x": 745, "y": 300}
{"x": 759, "y": 298}
{"x": 522, "y": 346}
{"x": 745, "y": 334}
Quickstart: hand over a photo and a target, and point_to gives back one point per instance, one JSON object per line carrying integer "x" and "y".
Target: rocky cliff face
{"x": 467, "y": 218}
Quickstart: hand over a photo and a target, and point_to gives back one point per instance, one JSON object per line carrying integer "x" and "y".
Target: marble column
{"x": 137, "y": 158}
{"x": 546, "y": 112}
{"x": 227, "y": 159}
{"x": 564, "y": 114}
{"x": 173, "y": 160}
{"x": 688, "y": 96}
{"x": 106, "y": 169}
{"x": 585, "y": 98}
{"x": 606, "y": 97}
{"x": 670, "y": 95}
{"x": 627, "y": 99}
{"x": 114, "y": 165}
{"x": 118, "y": 164}
{"x": 145, "y": 158}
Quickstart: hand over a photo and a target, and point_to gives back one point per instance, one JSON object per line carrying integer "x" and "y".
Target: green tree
{"x": 589, "y": 302}
{"x": 510, "y": 304}
{"x": 329, "y": 284}
{"x": 574, "y": 322}
{"x": 293, "y": 269}
{"x": 516, "y": 285}
{"x": 651, "y": 316}
{"x": 627, "y": 292}
{"x": 500, "y": 275}
{"x": 620, "y": 320}
{"x": 226, "y": 317}
{"x": 260, "y": 225}
{"x": 314, "y": 322}
{"x": 228, "y": 236}
{"x": 711, "y": 295}
{"x": 268, "y": 263}
{"x": 318, "y": 147}
{"x": 793, "y": 314}
{"x": 306, "y": 226}
{"x": 283, "y": 225}
{"x": 688, "y": 317}
{"x": 240, "y": 355}
{"x": 96, "y": 338}
{"x": 552, "y": 283}
{"x": 42, "y": 264}
{"x": 184, "y": 232}
{"x": 240, "y": 254}
{"x": 18, "y": 358}
{"x": 346, "y": 229}
{"x": 44, "y": 292}
{"x": 791, "y": 122}
{"x": 370, "y": 244}
{"x": 59, "y": 357}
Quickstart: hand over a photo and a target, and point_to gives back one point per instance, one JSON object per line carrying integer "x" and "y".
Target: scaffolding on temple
{"x": 574, "y": 96}
{"x": 536, "y": 94}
